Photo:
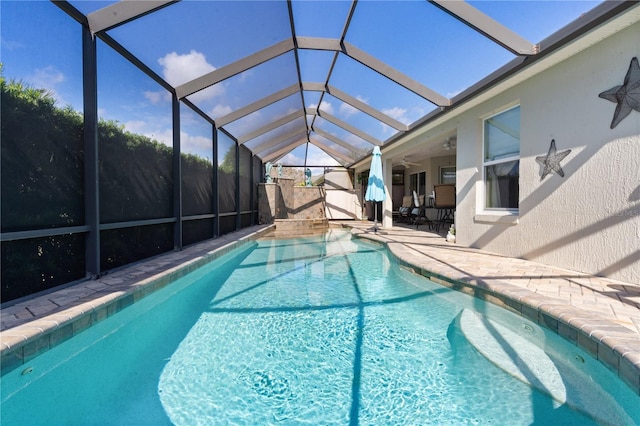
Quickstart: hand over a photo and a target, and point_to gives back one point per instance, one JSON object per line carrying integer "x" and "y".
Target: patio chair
{"x": 418, "y": 205}
{"x": 404, "y": 211}
{"x": 445, "y": 204}
{"x": 419, "y": 213}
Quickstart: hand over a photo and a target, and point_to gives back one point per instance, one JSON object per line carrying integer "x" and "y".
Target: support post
{"x": 177, "y": 174}
{"x": 216, "y": 193}
{"x": 252, "y": 192}
{"x": 387, "y": 204}
{"x": 90, "y": 136}
{"x": 238, "y": 222}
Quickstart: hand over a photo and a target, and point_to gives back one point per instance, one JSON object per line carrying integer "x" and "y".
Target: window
{"x": 448, "y": 175}
{"x": 397, "y": 178}
{"x": 417, "y": 182}
{"x": 502, "y": 160}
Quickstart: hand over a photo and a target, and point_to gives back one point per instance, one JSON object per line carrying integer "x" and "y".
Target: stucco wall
{"x": 341, "y": 204}
{"x": 309, "y": 203}
{"x": 287, "y": 201}
{"x": 338, "y": 179}
{"x": 588, "y": 220}
{"x": 283, "y": 200}
{"x": 270, "y": 203}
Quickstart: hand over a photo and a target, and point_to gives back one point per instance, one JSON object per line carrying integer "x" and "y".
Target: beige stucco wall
{"x": 284, "y": 200}
{"x": 338, "y": 179}
{"x": 308, "y": 203}
{"x": 271, "y": 205}
{"x": 340, "y": 195}
{"x": 588, "y": 220}
{"x": 341, "y": 204}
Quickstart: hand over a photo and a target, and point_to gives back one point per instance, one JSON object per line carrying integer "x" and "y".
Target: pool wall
{"x": 99, "y": 299}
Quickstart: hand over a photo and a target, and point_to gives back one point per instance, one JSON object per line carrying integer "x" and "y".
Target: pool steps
{"x": 518, "y": 348}
{"x": 297, "y": 227}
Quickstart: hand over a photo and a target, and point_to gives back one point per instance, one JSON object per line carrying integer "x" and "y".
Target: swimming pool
{"x": 319, "y": 330}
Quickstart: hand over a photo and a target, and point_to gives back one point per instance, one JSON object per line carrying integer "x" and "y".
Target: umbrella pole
{"x": 375, "y": 217}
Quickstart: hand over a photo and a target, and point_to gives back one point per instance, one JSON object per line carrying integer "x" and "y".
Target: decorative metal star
{"x": 626, "y": 96}
{"x": 551, "y": 161}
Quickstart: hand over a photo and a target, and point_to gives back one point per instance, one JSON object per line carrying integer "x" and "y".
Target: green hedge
{"x": 42, "y": 182}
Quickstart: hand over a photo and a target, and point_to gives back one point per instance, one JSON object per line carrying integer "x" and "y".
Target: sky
{"x": 41, "y": 46}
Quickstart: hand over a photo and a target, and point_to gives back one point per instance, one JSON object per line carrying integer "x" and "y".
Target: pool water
{"x": 323, "y": 330}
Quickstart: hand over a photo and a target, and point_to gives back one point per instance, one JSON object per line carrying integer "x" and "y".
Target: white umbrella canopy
{"x": 375, "y": 186}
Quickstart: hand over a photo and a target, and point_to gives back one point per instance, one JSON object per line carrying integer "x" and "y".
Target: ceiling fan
{"x": 407, "y": 163}
{"x": 449, "y": 144}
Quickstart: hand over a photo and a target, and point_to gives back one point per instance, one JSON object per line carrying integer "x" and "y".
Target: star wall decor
{"x": 626, "y": 96}
{"x": 551, "y": 161}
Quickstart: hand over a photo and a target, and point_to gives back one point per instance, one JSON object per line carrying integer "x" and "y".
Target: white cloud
{"x": 220, "y": 110}
{"x": 245, "y": 75}
{"x": 399, "y": 114}
{"x": 199, "y": 145}
{"x": 164, "y": 136}
{"x": 208, "y": 93}
{"x": 10, "y": 45}
{"x": 48, "y": 78}
{"x": 418, "y": 112}
{"x": 250, "y": 121}
{"x": 178, "y": 69}
{"x": 324, "y": 106}
{"x": 348, "y": 110}
{"x": 156, "y": 97}
{"x": 386, "y": 128}
{"x": 357, "y": 142}
{"x": 315, "y": 157}
{"x": 291, "y": 159}
{"x": 140, "y": 127}
{"x": 321, "y": 159}
{"x": 135, "y": 126}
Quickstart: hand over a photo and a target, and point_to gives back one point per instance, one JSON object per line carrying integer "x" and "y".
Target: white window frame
{"x": 495, "y": 214}
{"x": 442, "y": 169}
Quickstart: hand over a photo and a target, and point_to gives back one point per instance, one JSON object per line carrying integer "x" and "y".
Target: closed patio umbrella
{"x": 375, "y": 186}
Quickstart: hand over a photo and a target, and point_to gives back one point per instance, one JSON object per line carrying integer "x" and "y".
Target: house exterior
{"x": 547, "y": 164}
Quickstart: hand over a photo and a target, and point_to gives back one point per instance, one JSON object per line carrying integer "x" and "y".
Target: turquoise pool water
{"x": 323, "y": 330}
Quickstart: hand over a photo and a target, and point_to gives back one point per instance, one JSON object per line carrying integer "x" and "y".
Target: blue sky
{"x": 41, "y": 46}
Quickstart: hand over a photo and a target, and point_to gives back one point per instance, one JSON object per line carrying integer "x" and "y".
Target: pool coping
{"x": 617, "y": 347}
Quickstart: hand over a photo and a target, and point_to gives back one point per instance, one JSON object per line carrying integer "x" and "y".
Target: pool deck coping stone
{"x": 572, "y": 304}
